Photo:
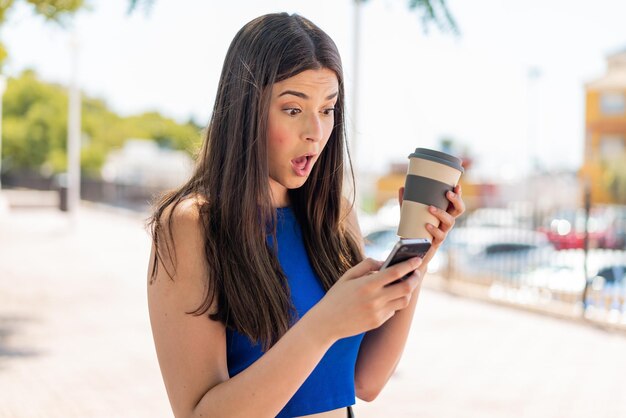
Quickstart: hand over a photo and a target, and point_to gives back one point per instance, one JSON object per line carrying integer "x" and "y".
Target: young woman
{"x": 260, "y": 301}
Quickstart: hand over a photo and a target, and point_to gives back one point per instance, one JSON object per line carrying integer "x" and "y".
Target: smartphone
{"x": 405, "y": 249}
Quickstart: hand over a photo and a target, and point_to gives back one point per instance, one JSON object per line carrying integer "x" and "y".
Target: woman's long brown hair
{"x": 232, "y": 177}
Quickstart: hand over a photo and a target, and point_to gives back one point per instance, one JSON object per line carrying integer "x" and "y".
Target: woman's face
{"x": 301, "y": 119}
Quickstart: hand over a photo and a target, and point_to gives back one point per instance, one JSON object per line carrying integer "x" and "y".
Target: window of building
{"x": 612, "y": 103}
{"x": 611, "y": 146}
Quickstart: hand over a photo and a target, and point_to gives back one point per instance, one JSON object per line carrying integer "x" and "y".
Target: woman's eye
{"x": 329, "y": 111}
{"x": 292, "y": 111}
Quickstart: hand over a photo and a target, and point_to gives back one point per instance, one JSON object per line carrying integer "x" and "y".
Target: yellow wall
{"x": 597, "y": 125}
{"x": 387, "y": 188}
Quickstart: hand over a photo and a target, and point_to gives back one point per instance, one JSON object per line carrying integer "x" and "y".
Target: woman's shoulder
{"x": 180, "y": 238}
{"x": 180, "y": 227}
{"x": 184, "y": 213}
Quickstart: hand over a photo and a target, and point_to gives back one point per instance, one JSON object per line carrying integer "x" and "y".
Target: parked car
{"x": 557, "y": 278}
{"x": 607, "y": 289}
{"x": 566, "y": 229}
{"x": 489, "y": 254}
{"x": 613, "y": 274}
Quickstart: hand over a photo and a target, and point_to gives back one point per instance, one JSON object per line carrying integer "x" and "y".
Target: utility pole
{"x": 534, "y": 74}
{"x": 73, "y": 135}
{"x": 587, "y": 198}
{"x": 4, "y": 205}
{"x": 356, "y": 50}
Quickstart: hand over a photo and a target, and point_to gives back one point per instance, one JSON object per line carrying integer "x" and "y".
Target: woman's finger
{"x": 403, "y": 288}
{"x": 401, "y": 195}
{"x": 363, "y": 268}
{"x": 437, "y": 233}
{"x": 457, "y": 206}
{"x": 446, "y": 220}
{"x": 391, "y": 274}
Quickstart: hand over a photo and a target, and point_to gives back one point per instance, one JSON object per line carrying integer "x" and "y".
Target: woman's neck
{"x": 280, "y": 203}
{"x": 279, "y": 195}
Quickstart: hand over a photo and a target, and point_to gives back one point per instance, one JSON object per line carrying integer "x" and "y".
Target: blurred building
{"x": 605, "y": 123}
{"x": 542, "y": 192}
{"x": 143, "y": 162}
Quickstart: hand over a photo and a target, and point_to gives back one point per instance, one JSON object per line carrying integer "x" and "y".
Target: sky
{"x": 415, "y": 87}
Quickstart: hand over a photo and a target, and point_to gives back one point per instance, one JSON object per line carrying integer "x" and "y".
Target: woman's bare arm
{"x": 381, "y": 348}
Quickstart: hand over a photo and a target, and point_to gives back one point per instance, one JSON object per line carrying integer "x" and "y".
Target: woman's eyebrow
{"x": 304, "y": 96}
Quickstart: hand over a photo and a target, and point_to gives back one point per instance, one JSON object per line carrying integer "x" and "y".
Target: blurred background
{"x": 103, "y": 107}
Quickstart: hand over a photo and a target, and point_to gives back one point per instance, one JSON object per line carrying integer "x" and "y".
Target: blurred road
{"x": 75, "y": 338}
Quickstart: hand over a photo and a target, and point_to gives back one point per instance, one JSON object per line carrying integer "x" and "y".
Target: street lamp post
{"x": 73, "y": 136}
{"x": 356, "y": 45}
{"x": 3, "y": 84}
{"x": 534, "y": 74}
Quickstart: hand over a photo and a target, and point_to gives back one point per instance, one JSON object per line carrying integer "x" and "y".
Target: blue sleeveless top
{"x": 331, "y": 384}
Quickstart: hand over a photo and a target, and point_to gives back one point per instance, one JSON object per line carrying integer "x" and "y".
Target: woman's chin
{"x": 296, "y": 183}
{"x": 289, "y": 182}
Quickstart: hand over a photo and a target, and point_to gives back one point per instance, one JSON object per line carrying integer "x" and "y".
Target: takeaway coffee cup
{"x": 430, "y": 175}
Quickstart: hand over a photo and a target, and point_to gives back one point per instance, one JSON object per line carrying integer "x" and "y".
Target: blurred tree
{"x": 58, "y": 11}
{"x": 432, "y": 11}
{"x": 167, "y": 132}
{"x": 35, "y": 128}
{"x": 52, "y": 10}
{"x": 447, "y": 144}
{"x": 35, "y": 120}
{"x": 134, "y": 4}
{"x": 55, "y": 10}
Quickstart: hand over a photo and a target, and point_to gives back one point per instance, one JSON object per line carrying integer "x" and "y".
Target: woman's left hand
{"x": 456, "y": 207}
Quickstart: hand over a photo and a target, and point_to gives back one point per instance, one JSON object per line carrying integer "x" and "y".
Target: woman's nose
{"x": 313, "y": 130}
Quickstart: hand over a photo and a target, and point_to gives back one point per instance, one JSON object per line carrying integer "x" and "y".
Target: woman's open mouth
{"x": 302, "y": 165}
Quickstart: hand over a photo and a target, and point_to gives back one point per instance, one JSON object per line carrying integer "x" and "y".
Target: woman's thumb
{"x": 366, "y": 266}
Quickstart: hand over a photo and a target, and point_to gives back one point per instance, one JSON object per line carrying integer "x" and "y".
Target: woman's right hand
{"x": 364, "y": 298}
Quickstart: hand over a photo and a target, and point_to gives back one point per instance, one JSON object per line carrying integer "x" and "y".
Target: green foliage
{"x": 56, "y": 10}
{"x": 35, "y": 128}
{"x": 35, "y": 120}
{"x": 435, "y": 11}
{"x": 5, "y": 5}
{"x": 134, "y": 4}
{"x": 52, "y": 10}
{"x": 167, "y": 132}
{"x": 432, "y": 12}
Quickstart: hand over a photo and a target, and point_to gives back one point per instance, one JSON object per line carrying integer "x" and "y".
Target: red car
{"x": 566, "y": 230}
